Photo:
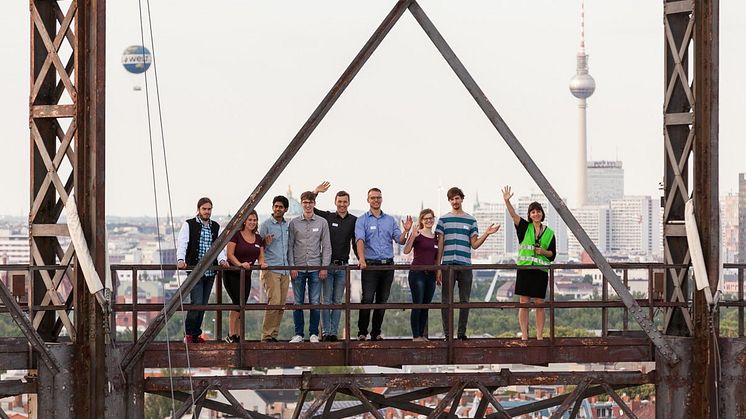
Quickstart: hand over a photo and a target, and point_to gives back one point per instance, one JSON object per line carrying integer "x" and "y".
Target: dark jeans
{"x": 422, "y": 284}
{"x": 200, "y": 295}
{"x": 463, "y": 279}
{"x": 376, "y": 287}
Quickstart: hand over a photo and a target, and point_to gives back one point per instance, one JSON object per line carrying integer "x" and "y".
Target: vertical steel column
{"x": 51, "y": 118}
{"x": 706, "y": 200}
{"x": 678, "y": 138}
{"x": 89, "y": 361}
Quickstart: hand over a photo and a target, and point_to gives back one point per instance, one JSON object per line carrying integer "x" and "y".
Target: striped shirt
{"x": 457, "y": 231}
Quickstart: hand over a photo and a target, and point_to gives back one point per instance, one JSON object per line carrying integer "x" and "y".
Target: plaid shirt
{"x": 205, "y": 241}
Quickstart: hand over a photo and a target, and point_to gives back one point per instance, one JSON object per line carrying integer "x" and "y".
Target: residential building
{"x": 488, "y": 213}
{"x": 605, "y": 182}
{"x": 596, "y": 221}
{"x": 635, "y": 230}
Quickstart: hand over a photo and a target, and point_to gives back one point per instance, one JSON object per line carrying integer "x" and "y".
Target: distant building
{"x": 596, "y": 221}
{"x": 295, "y": 208}
{"x": 742, "y": 217}
{"x": 488, "y": 213}
{"x": 14, "y": 245}
{"x": 729, "y": 228}
{"x": 635, "y": 226}
{"x": 605, "y": 182}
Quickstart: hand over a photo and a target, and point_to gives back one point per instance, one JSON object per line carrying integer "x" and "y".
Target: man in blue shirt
{"x": 375, "y": 233}
{"x": 275, "y": 282}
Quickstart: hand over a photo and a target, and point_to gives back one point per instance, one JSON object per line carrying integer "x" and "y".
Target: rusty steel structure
{"x": 76, "y": 371}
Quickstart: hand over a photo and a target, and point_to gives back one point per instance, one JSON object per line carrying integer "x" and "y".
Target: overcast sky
{"x": 239, "y": 78}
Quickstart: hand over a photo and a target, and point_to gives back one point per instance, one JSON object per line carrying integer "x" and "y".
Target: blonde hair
{"x": 423, "y": 213}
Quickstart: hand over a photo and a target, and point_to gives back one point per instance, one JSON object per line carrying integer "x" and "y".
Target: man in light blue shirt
{"x": 375, "y": 233}
{"x": 275, "y": 282}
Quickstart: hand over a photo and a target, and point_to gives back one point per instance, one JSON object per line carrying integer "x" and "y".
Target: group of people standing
{"x": 318, "y": 239}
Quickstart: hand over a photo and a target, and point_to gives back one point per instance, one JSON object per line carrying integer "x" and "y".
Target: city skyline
{"x": 248, "y": 107}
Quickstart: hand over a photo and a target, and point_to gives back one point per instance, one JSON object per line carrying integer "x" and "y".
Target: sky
{"x": 239, "y": 79}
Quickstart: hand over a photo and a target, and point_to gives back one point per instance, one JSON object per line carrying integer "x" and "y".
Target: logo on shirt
{"x": 373, "y": 227}
{"x": 335, "y": 225}
{"x": 314, "y": 230}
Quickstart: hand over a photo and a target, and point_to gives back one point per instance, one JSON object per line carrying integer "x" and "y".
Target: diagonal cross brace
{"x": 533, "y": 170}
{"x": 268, "y": 180}
{"x": 336, "y": 91}
{"x": 28, "y": 329}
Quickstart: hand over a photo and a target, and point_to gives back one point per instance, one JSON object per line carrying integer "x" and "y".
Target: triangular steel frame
{"x": 663, "y": 347}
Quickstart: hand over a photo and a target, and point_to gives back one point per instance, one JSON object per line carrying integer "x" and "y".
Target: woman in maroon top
{"x": 422, "y": 283}
{"x": 244, "y": 250}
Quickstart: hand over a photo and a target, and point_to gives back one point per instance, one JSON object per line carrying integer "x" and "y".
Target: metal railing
{"x": 653, "y": 300}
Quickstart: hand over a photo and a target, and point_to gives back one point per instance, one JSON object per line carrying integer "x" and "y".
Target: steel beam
{"x": 14, "y": 387}
{"x": 678, "y": 138}
{"x": 533, "y": 170}
{"x": 706, "y": 200}
{"x": 269, "y": 178}
{"x": 574, "y": 398}
{"x": 399, "y": 380}
{"x": 28, "y": 330}
{"x": 622, "y": 405}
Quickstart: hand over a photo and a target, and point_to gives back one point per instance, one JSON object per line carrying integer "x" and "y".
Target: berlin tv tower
{"x": 582, "y": 87}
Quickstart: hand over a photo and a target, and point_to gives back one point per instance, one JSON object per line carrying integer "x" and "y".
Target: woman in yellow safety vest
{"x": 537, "y": 248}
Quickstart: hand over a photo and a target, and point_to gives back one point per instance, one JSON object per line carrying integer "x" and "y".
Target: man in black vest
{"x": 195, "y": 239}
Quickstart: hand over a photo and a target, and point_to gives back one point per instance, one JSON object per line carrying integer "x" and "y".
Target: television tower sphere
{"x": 582, "y": 86}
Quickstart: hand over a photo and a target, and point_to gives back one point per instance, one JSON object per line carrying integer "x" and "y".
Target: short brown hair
{"x": 308, "y": 196}
{"x": 374, "y": 190}
{"x": 203, "y": 201}
{"x": 455, "y": 191}
{"x": 341, "y": 194}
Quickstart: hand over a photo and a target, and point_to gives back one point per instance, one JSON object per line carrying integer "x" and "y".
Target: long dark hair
{"x": 256, "y": 229}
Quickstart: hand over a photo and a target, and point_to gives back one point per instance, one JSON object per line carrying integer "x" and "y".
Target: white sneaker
{"x": 313, "y": 339}
{"x": 298, "y": 339}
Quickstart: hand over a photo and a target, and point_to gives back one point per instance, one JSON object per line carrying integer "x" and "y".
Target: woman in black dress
{"x": 537, "y": 248}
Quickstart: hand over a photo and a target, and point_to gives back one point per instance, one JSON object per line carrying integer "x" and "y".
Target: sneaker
{"x": 462, "y": 337}
{"x": 232, "y": 339}
{"x": 419, "y": 339}
{"x": 332, "y": 338}
{"x": 193, "y": 339}
{"x": 376, "y": 337}
{"x": 271, "y": 339}
{"x": 297, "y": 339}
{"x": 313, "y": 339}
{"x": 361, "y": 337}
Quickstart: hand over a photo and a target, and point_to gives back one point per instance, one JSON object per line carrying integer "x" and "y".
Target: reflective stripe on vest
{"x": 526, "y": 254}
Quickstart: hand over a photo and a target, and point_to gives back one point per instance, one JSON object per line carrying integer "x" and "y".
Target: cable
{"x": 168, "y": 184}
{"x": 157, "y": 218}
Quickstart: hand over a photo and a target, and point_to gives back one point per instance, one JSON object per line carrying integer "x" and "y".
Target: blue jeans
{"x": 314, "y": 295}
{"x": 200, "y": 295}
{"x": 334, "y": 291}
{"x": 422, "y": 284}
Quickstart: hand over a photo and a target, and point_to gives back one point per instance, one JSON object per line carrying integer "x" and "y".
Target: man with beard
{"x": 195, "y": 239}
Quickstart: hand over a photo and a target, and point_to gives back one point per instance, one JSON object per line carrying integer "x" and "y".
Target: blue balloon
{"x": 136, "y": 59}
